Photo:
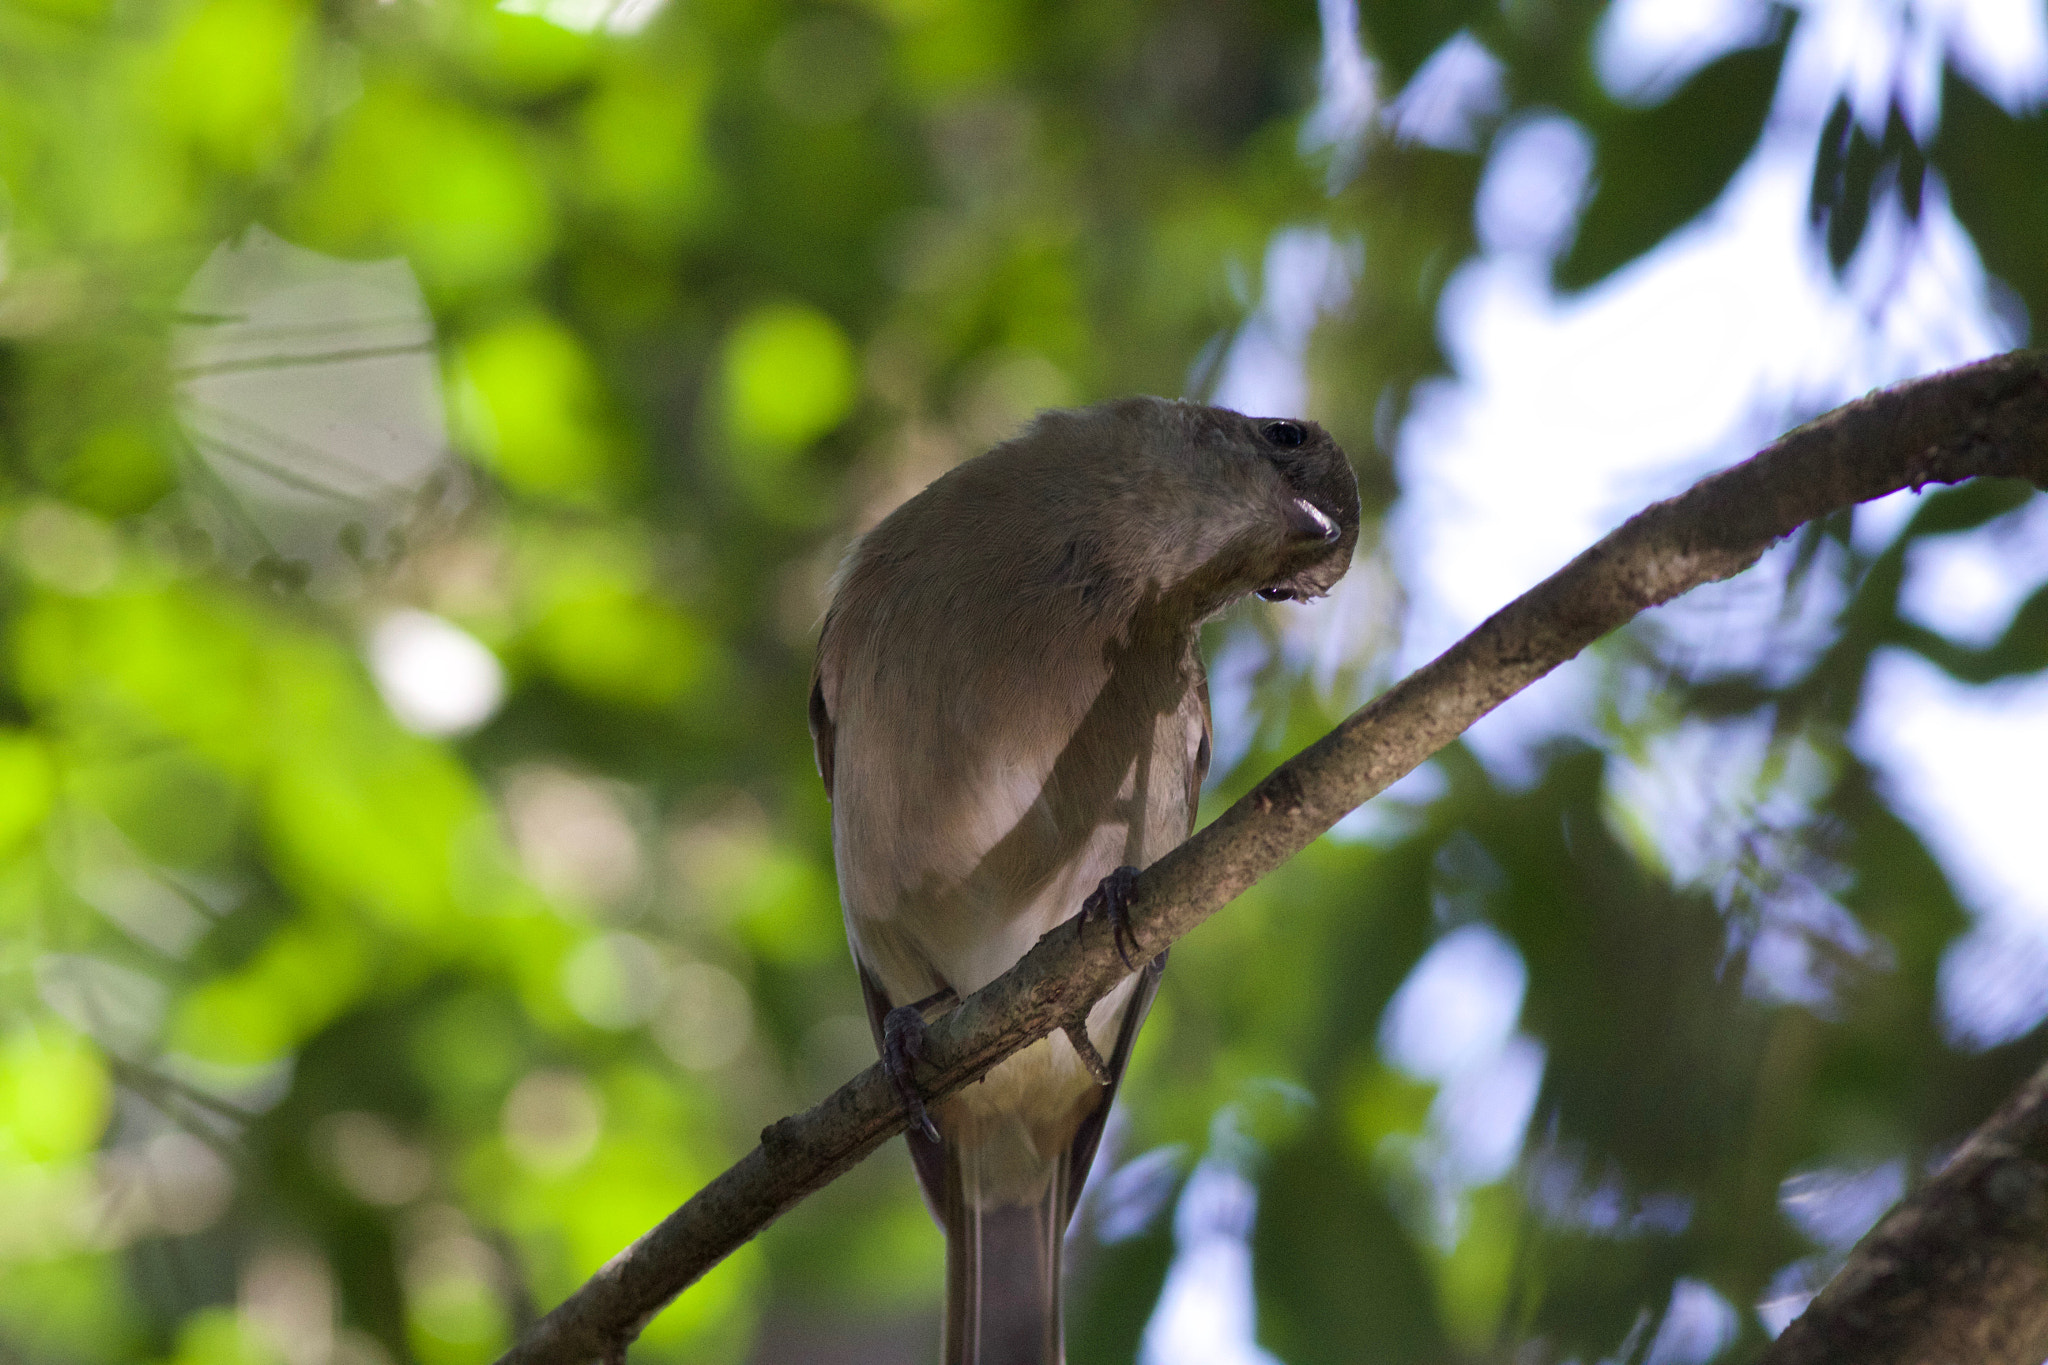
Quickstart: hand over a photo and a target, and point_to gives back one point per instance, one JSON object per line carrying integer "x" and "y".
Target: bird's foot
{"x": 1084, "y": 1048}
{"x": 1112, "y": 901}
{"x": 902, "y": 1049}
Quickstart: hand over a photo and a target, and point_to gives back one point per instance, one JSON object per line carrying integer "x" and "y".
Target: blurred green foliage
{"x": 321, "y": 1040}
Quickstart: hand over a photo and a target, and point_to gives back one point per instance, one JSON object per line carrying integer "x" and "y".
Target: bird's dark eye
{"x": 1285, "y": 434}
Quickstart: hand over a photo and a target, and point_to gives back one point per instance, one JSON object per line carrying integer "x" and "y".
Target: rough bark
{"x": 1958, "y": 1272}
{"x": 1990, "y": 418}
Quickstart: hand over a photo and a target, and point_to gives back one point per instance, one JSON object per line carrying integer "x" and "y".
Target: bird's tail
{"x": 1003, "y": 1273}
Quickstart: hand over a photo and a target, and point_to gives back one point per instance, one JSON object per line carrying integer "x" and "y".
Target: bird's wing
{"x": 1081, "y": 1153}
{"x": 823, "y": 734}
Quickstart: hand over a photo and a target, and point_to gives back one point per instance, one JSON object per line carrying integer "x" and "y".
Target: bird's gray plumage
{"x": 1009, "y": 705}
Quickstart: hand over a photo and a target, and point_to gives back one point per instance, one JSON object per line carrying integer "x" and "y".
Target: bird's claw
{"x": 1112, "y": 901}
{"x": 902, "y": 1048}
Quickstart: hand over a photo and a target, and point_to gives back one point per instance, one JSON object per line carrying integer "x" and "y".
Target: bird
{"x": 1010, "y": 715}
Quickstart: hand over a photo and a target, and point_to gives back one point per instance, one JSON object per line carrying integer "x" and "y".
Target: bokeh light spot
{"x": 789, "y": 379}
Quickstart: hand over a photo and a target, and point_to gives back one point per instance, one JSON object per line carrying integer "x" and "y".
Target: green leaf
{"x": 788, "y": 380}
{"x": 1657, "y": 169}
{"x": 1995, "y": 167}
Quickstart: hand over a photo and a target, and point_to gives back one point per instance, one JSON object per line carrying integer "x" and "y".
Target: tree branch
{"x": 1990, "y": 418}
{"x": 1957, "y": 1272}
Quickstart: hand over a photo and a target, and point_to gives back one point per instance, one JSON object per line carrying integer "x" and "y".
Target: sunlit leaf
{"x": 788, "y": 380}
{"x": 55, "y": 1096}
{"x": 529, "y": 404}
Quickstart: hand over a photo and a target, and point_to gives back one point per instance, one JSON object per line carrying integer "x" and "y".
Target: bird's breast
{"x": 959, "y": 844}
